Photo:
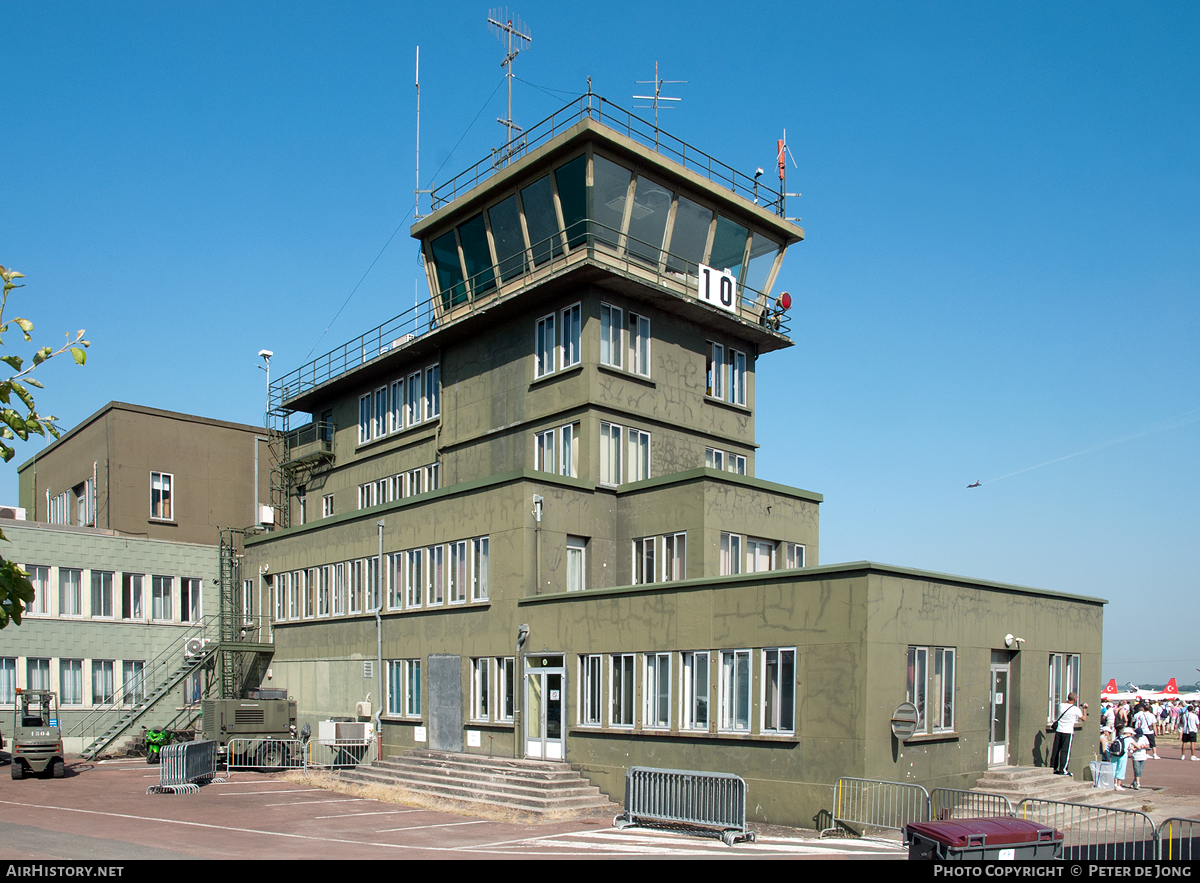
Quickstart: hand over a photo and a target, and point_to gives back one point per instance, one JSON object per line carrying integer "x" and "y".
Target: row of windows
{"x": 78, "y": 680}
{"x": 430, "y": 576}
{"x": 80, "y": 501}
{"x": 726, "y": 461}
{"x": 557, "y": 351}
{"x": 397, "y": 487}
{"x": 740, "y": 554}
{"x": 403, "y": 403}
{"x": 646, "y": 550}
{"x": 113, "y": 597}
{"x": 638, "y": 441}
{"x": 612, "y": 347}
{"x": 630, "y": 215}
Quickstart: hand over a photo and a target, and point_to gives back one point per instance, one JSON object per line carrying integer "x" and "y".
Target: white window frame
{"x": 544, "y": 347}
{"x": 778, "y": 693}
{"x": 674, "y": 556}
{"x": 162, "y": 496}
{"x": 459, "y": 571}
{"x": 576, "y": 564}
{"x": 1063, "y": 679}
{"x": 70, "y": 680}
{"x": 611, "y": 319}
{"x": 795, "y": 555}
{"x": 695, "y": 693}
{"x": 932, "y": 672}
{"x": 714, "y": 370}
{"x": 324, "y": 590}
{"x": 731, "y": 553}
{"x": 433, "y": 391}
{"x": 610, "y": 454}
{"x": 191, "y": 603}
{"x": 622, "y": 694}
{"x": 645, "y": 557}
{"x": 39, "y": 578}
{"x": 506, "y": 687}
{"x": 339, "y": 589}
{"x": 734, "y": 698}
{"x": 162, "y": 591}
{"x": 656, "y": 692}
{"x": 639, "y": 454}
{"x": 639, "y": 345}
{"x": 714, "y": 459}
{"x": 481, "y": 688}
{"x": 758, "y": 553}
{"x": 480, "y": 563}
{"x": 591, "y": 694}
{"x": 102, "y": 595}
{"x": 435, "y": 575}
{"x": 133, "y": 597}
{"x": 568, "y": 456}
{"x": 737, "y": 377}
{"x": 543, "y": 451}
{"x": 327, "y": 505}
{"x": 572, "y": 336}
{"x": 366, "y": 418}
{"x": 395, "y": 580}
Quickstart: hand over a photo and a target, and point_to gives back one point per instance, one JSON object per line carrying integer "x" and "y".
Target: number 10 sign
{"x": 718, "y": 289}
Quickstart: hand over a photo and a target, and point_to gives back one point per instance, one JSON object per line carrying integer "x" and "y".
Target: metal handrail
{"x": 596, "y": 245}
{"x": 646, "y": 133}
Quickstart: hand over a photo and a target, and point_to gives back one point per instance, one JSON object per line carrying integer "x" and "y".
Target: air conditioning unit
{"x": 194, "y": 647}
{"x": 266, "y": 515}
{"x": 363, "y": 709}
{"x": 13, "y": 512}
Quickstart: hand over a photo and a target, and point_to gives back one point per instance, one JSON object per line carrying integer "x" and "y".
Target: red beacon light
{"x": 784, "y": 301}
{"x": 774, "y": 320}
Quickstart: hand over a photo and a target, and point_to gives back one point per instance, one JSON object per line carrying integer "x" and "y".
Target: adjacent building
{"x": 525, "y": 518}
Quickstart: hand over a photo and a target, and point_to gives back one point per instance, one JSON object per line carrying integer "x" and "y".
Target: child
{"x": 1141, "y": 750}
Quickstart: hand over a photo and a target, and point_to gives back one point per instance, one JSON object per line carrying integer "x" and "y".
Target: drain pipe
{"x": 518, "y": 683}
{"x": 379, "y": 645}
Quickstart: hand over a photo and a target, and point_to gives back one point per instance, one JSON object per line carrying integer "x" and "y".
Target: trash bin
{"x": 982, "y": 840}
{"x": 1104, "y": 773}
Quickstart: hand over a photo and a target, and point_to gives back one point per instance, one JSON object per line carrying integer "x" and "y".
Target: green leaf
{"x": 32, "y": 382}
{"x": 80, "y": 355}
{"x": 25, "y": 397}
{"x": 25, "y": 324}
{"x": 14, "y": 362}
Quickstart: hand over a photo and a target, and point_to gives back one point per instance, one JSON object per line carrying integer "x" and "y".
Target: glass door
{"x": 998, "y": 738}
{"x": 545, "y": 699}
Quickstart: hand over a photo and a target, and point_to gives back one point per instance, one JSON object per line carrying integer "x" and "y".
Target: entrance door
{"x": 545, "y": 699}
{"x": 998, "y": 738}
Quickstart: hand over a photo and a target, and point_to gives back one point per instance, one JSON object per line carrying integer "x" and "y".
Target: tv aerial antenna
{"x": 504, "y": 29}
{"x": 418, "y": 191}
{"x": 657, "y": 97}
{"x": 783, "y": 153}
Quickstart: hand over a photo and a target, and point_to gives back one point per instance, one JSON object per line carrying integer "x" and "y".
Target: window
{"x": 414, "y": 577}
{"x": 505, "y": 684}
{"x": 436, "y": 587}
{"x": 737, "y": 377}
{"x": 795, "y": 555}
{"x": 275, "y": 587}
{"x": 760, "y": 556}
{"x": 694, "y": 694}
{"x": 247, "y": 600}
{"x": 479, "y": 572}
{"x": 714, "y": 370}
{"x": 357, "y": 586}
{"x": 589, "y": 691}
{"x": 931, "y": 687}
{"x": 39, "y": 578}
{"x": 326, "y": 505}
{"x": 544, "y": 347}
{"x": 161, "y": 500}
{"x": 294, "y": 583}
{"x": 610, "y": 453}
{"x": 643, "y": 560}
{"x": 366, "y": 419}
{"x": 102, "y": 594}
{"x": 460, "y": 568}
{"x": 675, "y": 556}
{"x": 575, "y": 564}
{"x": 543, "y": 451}
{"x": 779, "y": 690}
{"x": 309, "y": 600}
{"x": 481, "y": 689}
{"x": 59, "y": 508}
{"x": 85, "y": 495}
{"x": 433, "y": 391}
{"x": 714, "y": 459}
{"x": 70, "y": 680}
{"x": 374, "y": 589}
{"x": 610, "y": 335}
{"x": 620, "y": 690}
{"x": 324, "y": 586}
{"x": 639, "y": 455}
{"x": 731, "y": 554}
{"x": 8, "y": 680}
{"x": 102, "y": 681}
{"x": 738, "y": 464}
{"x": 657, "y": 696}
{"x": 70, "y": 592}
{"x": 37, "y": 674}
{"x": 414, "y": 400}
{"x": 734, "y": 690}
{"x": 366, "y": 495}
{"x": 639, "y": 345}
{"x": 396, "y": 393}
{"x": 379, "y": 423}
{"x": 570, "y": 336}
{"x": 569, "y": 450}
{"x": 189, "y": 600}
{"x": 404, "y": 687}
{"x": 339, "y": 589}
{"x": 133, "y": 681}
{"x": 1064, "y": 679}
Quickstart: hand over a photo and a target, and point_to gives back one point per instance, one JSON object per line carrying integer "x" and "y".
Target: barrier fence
{"x": 299, "y": 754}
{"x": 184, "y": 766}
{"x": 1089, "y": 832}
{"x": 338, "y": 754}
{"x": 715, "y": 800}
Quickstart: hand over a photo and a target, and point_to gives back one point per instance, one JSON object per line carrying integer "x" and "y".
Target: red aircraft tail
{"x": 1171, "y": 687}
{"x": 1110, "y": 687}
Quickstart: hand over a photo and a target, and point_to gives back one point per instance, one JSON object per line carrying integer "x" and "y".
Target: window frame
{"x": 695, "y": 698}
{"x": 926, "y": 677}
{"x": 735, "y": 698}
{"x": 622, "y": 691}
{"x": 779, "y": 710}
{"x": 656, "y": 691}
{"x": 162, "y": 497}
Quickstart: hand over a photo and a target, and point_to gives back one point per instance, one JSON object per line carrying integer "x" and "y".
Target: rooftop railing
{"x": 592, "y": 106}
{"x": 599, "y": 245}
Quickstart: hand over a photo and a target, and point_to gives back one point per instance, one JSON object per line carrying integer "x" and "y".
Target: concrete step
{"x": 527, "y": 785}
{"x": 1020, "y": 783}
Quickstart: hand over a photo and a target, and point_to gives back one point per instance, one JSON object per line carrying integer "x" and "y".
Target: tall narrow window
{"x": 735, "y": 690}
{"x": 737, "y": 377}
{"x": 620, "y": 690}
{"x": 695, "y": 691}
{"x": 133, "y": 681}
{"x": 571, "y": 336}
{"x": 543, "y": 451}
{"x": 657, "y": 711}
{"x": 569, "y": 450}
{"x": 102, "y": 681}
{"x": 639, "y": 345}
{"x": 189, "y": 600}
{"x": 589, "y": 691}
{"x": 324, "y": 586}
{"x": 714, "y": 370}
{"x": 366, "y": 419}
{"x": 506, "y": 686}
{"x": 481, "y": 688}
{"x": 433, "y": 391}
{"x": 102, "y": 594}
{"x": 575, "y": 563}
{"x": 357, "y": 589}
{"x": 414, "y": 578}
{"x": 779, "y": 690}
{"x": 610, "y": 453}
{"x": 731, "y": 554}
{"x": 479, "y": 564}
{"x": 639, "y": 455}
{"x": 675, "y": 556}
{"x": 39, "y": 578}
{"x": 161, "y": 498}
{"x": 339, "y": 589}
{"x": 795, "y": 555}
{"x": 544, "y": 342}
{"x": 70, "y": 592}
{"x": 643, "y": 560}
{"x": 70, "y": 679}
{"x": 460, "y": 569}
{"x": 436, "y": 592}
{"x": 610, "y": 335}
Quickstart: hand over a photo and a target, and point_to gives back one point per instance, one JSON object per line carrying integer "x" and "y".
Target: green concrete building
{"x": 524, "y": 517}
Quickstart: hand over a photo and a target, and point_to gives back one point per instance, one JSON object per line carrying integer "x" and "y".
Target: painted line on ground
{"x": 308, "y": 802}
{"x": 386, "y": 812}
{"x": 423, "y": 827}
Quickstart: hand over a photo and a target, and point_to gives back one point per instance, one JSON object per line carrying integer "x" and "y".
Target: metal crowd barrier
{"x": 1095, "y": 832}
{"x": 951, "y": 803}
{"x": 259, "y": 753}
{"x": 876, "y": 804}
{"x": 336, "y": 754}
{"x": 1177, "y": 840}
{"x": 714, "y": 800}
{"x": 184, "y": 765}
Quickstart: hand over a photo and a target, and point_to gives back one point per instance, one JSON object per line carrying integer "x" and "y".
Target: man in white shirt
{"x": 1069, "y": 713}
{"x": 1189, "y": 725}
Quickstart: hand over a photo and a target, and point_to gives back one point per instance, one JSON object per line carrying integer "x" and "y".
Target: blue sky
{"x": 1002, "y": 266}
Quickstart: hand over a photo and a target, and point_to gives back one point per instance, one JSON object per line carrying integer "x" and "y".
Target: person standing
{"x": 1119, "y": 751}
{"x": 1143, "y": 723}
{"x": 1069, "y": 713}
{"x": 1189, "y": 725}
{"x": 1141, "y": 750}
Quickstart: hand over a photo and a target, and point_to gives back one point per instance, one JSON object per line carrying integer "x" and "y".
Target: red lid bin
{"x": 994, "y": 839}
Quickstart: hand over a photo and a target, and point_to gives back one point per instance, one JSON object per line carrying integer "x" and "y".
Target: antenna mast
{"x": 503, "y": 29}
{"x": 418, "y": 191}
{"x": 656, "y": 97}
{"x": 782, "y": 153}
